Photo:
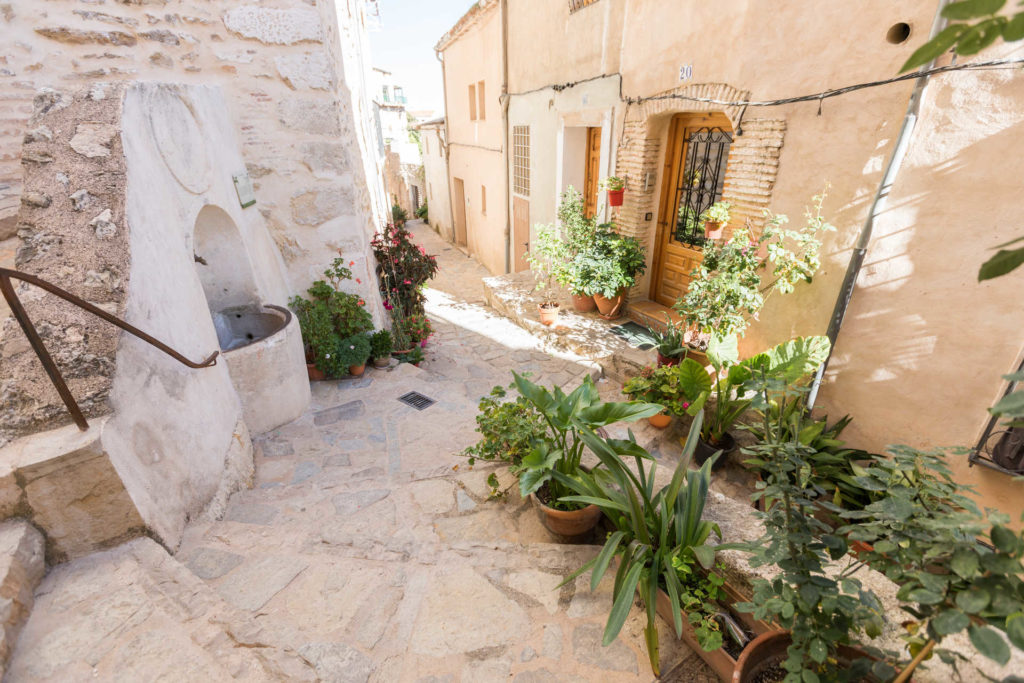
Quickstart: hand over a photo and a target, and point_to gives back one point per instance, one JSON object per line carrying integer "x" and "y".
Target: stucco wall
{"x": 477, "y": 147}
{"x": 435, "y": 171}
{"x": 294, "y": 89}
{"x": 920, "y": 356}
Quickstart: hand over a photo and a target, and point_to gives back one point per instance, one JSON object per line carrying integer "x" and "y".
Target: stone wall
{"x": 72, "y": 232}
{"x": 295, "y": 102}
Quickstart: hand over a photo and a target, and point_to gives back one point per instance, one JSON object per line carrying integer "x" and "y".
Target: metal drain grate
{"x": 416, "y": 400}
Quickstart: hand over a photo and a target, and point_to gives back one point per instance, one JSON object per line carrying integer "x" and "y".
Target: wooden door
{"x": 692, "y": 176}
{"x": 520, "y": 233}
{"x": 592, "y": 169}
{"x": 459, "y": 190}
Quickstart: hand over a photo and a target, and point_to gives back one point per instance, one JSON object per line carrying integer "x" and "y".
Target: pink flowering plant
{"x": 403, "y": 269}
{"x": 681, "y": 389}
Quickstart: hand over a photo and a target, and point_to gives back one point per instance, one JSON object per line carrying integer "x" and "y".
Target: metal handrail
{"x": 44, "y": 356}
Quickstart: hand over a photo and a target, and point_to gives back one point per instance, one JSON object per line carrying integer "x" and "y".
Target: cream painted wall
{"x": 476, "y": 148}
{"x": 435, "y": 170}
{"x": 920, "y": 356}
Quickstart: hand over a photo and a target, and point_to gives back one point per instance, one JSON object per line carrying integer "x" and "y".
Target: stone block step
{"x": 21, "y": 568}
{"x": 136, "y": 613}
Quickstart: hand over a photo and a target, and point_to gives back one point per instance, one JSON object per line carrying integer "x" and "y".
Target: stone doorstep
{"x": 585, "y": 334}
{"x": 21, "y": 569}
{"x": 63, "y": 481}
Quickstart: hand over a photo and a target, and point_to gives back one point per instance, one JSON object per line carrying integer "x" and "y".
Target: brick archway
{"x": 753, "y": 158}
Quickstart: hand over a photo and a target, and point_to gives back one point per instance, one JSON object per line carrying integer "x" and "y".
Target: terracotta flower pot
{"x": 381, "y": 362}
{"x": 548, "y": 313}
{"x": 660, "y": 421}
{"x": 397, "y": 354}
{"x": 615, "y": 197}
{"x": 583, "y": 303}
{"x": 314, "y": 373}
{"x": 720, "y": 661}
{"x": 768, "y": 650}
{"x": 713, "y": 230}
{"x": 666, "y": 360}
{"x": 611, "y": 308}
{"x": 357, "y": 370}
{"x": 705, "y": 450}
{"x": 568, "y": 524}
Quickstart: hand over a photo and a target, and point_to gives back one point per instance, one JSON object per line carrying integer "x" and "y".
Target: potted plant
{"x": 616, "y": 189}
{"x": 728, "y": 287}
{"x": 353, "y": 352}
{"x": 414, "y": 356}
{"x": 958, "y": 569}
{"x": 680, "y": 389}
{"x": 380, "y": 348}
{"x": 399, "y": 215}
{"x": 615, "y": 262}
{"x": 821, "y": 611}
{"x": 715, "y": 218}
{"x": 403, "y": 268}
{"x": 578, "y": 233}
{"x": 328, "y": 316}
{"x": 417, "y": 328}
{"x": 555, "y": 458}
{"x": 670, "y": 344}
{"x": 543, "y": 263}
{"x": 659, "y": 539}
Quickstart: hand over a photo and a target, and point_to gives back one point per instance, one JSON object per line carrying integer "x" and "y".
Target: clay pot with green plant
{"x": 353, "y": 352}
{"x": 616, "y": 188}
{"x": 554, "y": 461}
{"x": 670, "y": 344}
{"x": 614, "y": 262}
{"x": 327, "y": 317}
{"x": 380, "y": 348}
{"x": 715, "y": 218}
{"x": 680, "y": 389}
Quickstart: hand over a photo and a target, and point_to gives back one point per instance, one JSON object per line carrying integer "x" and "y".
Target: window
{"x": 483, "y": 200}
{"x": 472, "y": 103}
{"x": 704, "y": 157}
{"x": 385, "y": 89}
{"x": 521, "y": 160}
{"x": 480, "y": 100}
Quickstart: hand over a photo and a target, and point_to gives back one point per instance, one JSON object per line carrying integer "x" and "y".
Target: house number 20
{"x": 686, "y": 72}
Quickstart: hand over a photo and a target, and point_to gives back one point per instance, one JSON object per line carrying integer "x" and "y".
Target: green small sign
{"x": 243, "y": 186}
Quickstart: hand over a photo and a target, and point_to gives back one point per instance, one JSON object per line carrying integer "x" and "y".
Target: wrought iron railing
{"x": 1001, "y": 447}
{"x": 7, "y": 289}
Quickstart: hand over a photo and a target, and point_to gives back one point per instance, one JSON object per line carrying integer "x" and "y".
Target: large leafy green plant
{"x": 554, "y": 458}
{"x": 613, "y": 262}
{"x": 957, "y": 568}
{"x": 558, "y": 251}
{"x": 822, "y": 609}
{"x": 654, "y": 529}
{"x": 681, "y": 389}
{"x": 728, "y": 287}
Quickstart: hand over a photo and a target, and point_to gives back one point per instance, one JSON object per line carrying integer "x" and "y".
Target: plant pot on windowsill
{"x": 660, "y": 421}
{"x": 714, "y": 230}
{"x": 548, "y": 312}
{"x": 705, "y": 450}
{"x": 583, "y": 303}
{"x": 615, "y": 197}
{"x": 569, "y": 525}
{"x": 610, "y": 309}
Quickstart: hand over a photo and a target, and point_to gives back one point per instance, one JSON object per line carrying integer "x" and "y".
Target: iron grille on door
{"x": 703, "y": 159}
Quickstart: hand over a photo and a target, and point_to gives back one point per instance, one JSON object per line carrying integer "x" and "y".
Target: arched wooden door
{"x": 693, "y": 179}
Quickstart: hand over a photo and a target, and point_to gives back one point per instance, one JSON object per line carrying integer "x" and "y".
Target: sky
{"x": 404, "y": 45}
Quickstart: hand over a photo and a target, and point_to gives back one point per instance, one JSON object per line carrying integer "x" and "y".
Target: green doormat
{"x": 637, "y": 336}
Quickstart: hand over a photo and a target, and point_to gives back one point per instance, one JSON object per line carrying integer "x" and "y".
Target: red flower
{"x": 358, "y": 281}
{"x": 362, "y": 303}
{"x": 351, "y": 263}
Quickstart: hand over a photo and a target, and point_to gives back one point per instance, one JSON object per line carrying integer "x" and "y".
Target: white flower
{"x": 327, "y": 355}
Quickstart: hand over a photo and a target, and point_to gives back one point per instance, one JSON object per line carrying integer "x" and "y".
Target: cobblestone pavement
{"x": 366, "y": 550}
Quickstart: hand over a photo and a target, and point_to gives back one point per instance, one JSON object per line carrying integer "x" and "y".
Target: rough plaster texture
{"x": 435, "y": 171}
{"x": 920, "y": 324}
{"x": 21, "y": 568}
{"x": 294, "y": 79}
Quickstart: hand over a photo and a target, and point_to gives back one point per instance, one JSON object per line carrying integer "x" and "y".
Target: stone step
{"x": 585, "y": 334}
{"x": 21, "y": 568}
{"x": 136, "y": 613}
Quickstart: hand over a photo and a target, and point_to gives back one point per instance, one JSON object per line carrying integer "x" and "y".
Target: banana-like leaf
{"x": 693, "y": 378}
{"x": 797, "y": 358}
{"x": 601, "y": 414}
{"x": 723, "y": 350}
